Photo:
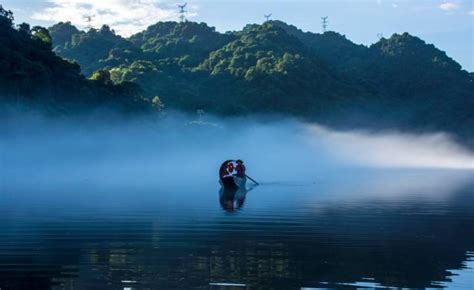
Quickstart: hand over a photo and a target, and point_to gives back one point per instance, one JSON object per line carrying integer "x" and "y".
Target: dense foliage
{"x": 87, "y": 48}
{"x": 190, "y": 42}
{"x": 427, "y": 87}
{"x": 31, "y": 75}
{"x": 399, "y": 82}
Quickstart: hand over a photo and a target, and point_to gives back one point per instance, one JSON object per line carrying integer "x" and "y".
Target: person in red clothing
{"x": 223, "y": 171}
{"x": 232, "y": 173}
{"x": 240, "y": 168}
{"x": 232, "y": 168}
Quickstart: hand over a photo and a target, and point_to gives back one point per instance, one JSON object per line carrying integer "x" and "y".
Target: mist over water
{"x": 396, "y": 150}
{"x": 138, "y": 152}
{"x": 136, "y": 203}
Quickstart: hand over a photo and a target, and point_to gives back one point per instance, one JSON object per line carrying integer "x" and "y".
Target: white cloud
{"x": 471, "y": 12}
{"x": 448, "y": 6}
{"x": 394, "y": 5}
{"x": 124, "y": 16}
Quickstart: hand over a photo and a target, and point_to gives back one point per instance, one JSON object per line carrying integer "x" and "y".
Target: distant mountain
{"x": 397, "y": 83}
{"x": 190, "y": 65}
{"x": 90, "y": 48}
{"x": 276, "y": 73}
{"x": 417, "y": 78}
{"x": 32, "y": 76}
{"x": 62, "y": 33}
{"x": 174, "y": 40}
{"x": 335, "y": 49}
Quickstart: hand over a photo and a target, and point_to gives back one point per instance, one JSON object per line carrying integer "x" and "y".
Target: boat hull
{"x": 233, "y": 182}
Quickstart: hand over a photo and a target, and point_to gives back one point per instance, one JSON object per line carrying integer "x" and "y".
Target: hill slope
{"x": 399, "y": 82}
{"x": 31, "y": 75}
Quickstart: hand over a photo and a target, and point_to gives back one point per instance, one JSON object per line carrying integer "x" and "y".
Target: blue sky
{"x": 448, "y": 24}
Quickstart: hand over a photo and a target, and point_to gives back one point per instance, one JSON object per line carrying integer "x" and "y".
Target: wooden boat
{"x": 229, "y": 175}
{"x": 233, "y": 182}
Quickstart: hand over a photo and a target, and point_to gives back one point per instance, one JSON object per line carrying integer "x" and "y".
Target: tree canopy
{"x": 398, "y": 82}
{"x": 31, "y": 75}
{"x": 274, "y": 67}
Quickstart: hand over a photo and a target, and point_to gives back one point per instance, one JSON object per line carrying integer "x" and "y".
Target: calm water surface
{"x": 370, "y": 229}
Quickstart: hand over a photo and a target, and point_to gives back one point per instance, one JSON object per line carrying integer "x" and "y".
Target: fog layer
{"x": 176, "y": 151}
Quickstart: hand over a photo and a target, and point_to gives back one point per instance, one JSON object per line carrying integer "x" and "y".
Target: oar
{"x": 252, "y": 179}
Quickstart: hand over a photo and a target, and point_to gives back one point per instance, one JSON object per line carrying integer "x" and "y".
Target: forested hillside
{"x": 399, "y": 82}
{"x": 32, "y": 76}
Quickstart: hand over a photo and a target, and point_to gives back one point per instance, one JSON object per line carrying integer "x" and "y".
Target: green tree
{"x": 33, "y": 76}
{"x": 24, "y": 28}
{"x": 42, "y": 34}
{"x": 6, "y": 17}
{"x": 102, "y": 76}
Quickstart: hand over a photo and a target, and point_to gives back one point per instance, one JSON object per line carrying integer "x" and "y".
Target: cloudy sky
{"x": 448, "y": 24}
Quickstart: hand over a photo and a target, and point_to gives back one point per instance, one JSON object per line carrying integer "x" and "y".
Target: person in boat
{"x": 240, "y": 168}
{"x": 232, "y": 168}
{"x": 232, "y": 173}
{"x": 224, "y": 169}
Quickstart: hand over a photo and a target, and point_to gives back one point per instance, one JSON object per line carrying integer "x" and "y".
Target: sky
{"x": 448, "y": 24}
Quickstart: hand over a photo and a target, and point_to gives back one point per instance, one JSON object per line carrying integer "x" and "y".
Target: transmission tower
{"x": 267, "y": 17}
{"x": 324, "y": 23}
{"x": 182, "y": 12}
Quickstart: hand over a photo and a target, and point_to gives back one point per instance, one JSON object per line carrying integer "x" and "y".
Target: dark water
{"x": 373, "y": 229}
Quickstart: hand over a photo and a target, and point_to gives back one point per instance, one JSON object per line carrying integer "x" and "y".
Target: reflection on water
{"x": 232, "y": 199}
{"x": 400, "y": 229}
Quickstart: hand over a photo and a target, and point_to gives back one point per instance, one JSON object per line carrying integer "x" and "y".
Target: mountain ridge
{"x": 399, "y": 82}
